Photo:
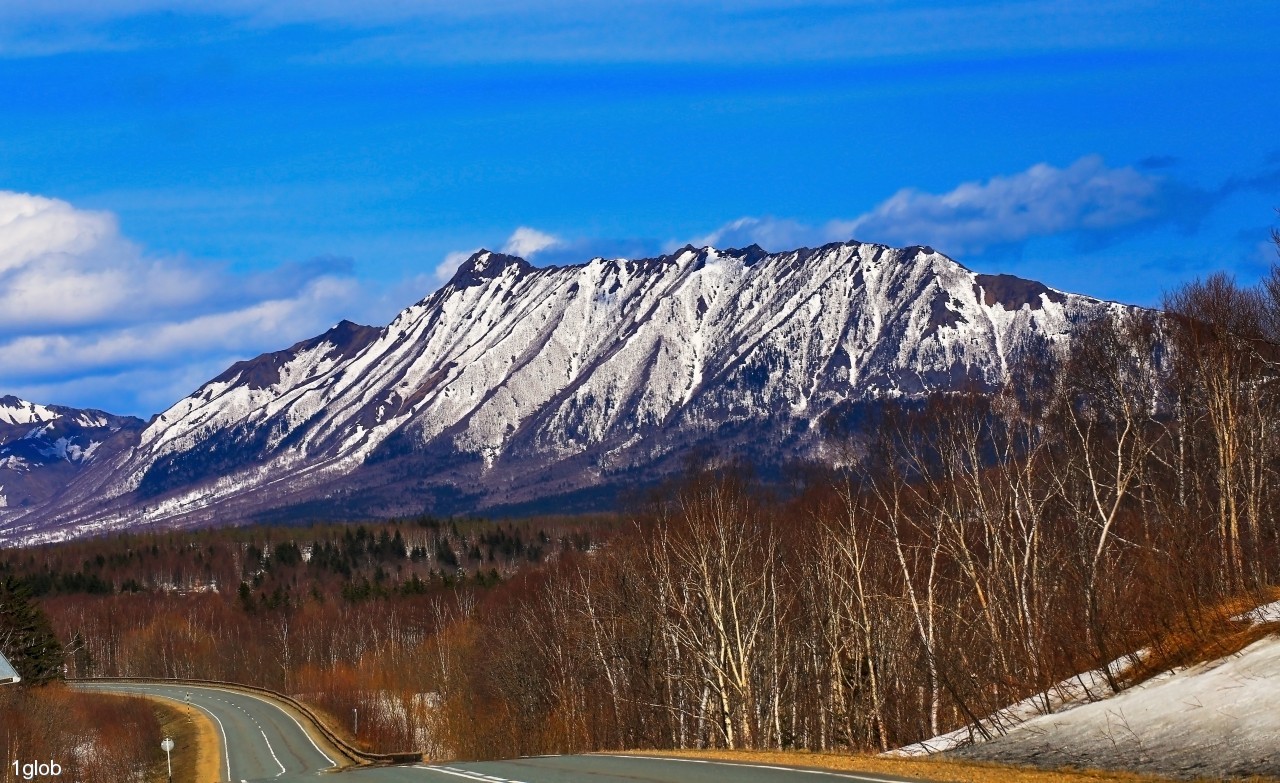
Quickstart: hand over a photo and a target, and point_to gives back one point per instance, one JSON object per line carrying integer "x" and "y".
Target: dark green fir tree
{"x": 26, "y": 637}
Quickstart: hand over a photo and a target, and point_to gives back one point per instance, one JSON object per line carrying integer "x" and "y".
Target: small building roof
{"x": 7, "y": 672}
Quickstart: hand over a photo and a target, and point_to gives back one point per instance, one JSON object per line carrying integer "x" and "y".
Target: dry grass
{"x": 933, "y": 768}
{"x": 1214, "y": 634}
{"x": 197, "y": 753}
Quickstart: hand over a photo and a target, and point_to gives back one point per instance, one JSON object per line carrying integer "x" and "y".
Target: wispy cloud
{"x": 1086, "y": 197}
{"x": 524, "y": 242}
{"x": 1089, "y": 201}
{"x": 78, "y": 298}
{"x": 449, "y": 265}
{"x": 635, "y": 30}
{"x": 768, "y": 232}
{"x": 528, "y": 242}
{"x": 545, "y": 249}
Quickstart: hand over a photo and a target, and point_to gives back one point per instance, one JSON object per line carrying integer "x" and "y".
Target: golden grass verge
{"x": 933, "y": 768}
{"x": 197, "y": 753}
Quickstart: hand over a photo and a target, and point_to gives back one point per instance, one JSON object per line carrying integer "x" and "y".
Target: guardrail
{"x": 350, "y": 751}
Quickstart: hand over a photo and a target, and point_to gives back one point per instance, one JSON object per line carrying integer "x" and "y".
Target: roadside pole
{"x": 167, "y": 746}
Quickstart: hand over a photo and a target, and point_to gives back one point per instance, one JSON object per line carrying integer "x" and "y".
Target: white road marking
{"x": 305, "y": 733}
{"x": 269, "y": 748}
{"x": 226, "y": 748}
{"x": 468, "y": 774}
{"x": 753, "y": 766}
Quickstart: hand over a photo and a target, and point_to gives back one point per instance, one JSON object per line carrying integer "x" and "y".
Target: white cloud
{"x": 220, "y": 332}
{"x": 445, "y": 269}
{"x": 527, "y": 242}
{"x": 150, "y": 388}
{"x": 1087, "y": 198}
{"x": 524, "y": 242}
{"x": 773, "y": 234}
{"x": 78, "y": 299}
{"x": 65, "y": 267}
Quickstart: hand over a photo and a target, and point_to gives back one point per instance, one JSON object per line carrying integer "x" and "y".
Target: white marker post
{"x": 167, "y": 746}
{"x": 355, "y": 717}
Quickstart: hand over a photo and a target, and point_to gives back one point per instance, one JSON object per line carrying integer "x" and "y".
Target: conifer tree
{"x": 26, "y": 636}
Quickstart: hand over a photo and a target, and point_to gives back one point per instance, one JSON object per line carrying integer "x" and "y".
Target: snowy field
{"x": 1212, "y": 720}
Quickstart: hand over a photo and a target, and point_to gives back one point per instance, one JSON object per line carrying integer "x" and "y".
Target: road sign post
{"x": 167, "y": 746}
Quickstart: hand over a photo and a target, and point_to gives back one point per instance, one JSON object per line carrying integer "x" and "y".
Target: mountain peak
{"x": 486, "y": 265}
{"x": 749, "y": 254}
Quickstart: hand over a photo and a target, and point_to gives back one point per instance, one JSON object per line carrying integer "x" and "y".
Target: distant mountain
{"x": 514, "y": 385}
{"x": 45, "y": 447}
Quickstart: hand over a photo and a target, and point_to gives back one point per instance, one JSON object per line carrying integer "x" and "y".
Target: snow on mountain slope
{"x": 514, "y": 383}
{"x": 43, "y": 447}
{"x": 16, "y": 411}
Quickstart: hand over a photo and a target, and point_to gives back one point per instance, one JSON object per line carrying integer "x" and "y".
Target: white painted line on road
{"x": 468, "y": 774}
{"x": 270, "y": 749}
{"x": 226, "y": 748}
{"x": 305, "y": 733}
{"x": 845, "y": 775}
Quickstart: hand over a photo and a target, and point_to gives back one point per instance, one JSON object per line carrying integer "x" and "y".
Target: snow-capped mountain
{"x": 514, "y": 384}
{"x": 43, "y": 447}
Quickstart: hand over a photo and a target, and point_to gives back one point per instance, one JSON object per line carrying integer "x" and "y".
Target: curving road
{"x": 262, "y": 742}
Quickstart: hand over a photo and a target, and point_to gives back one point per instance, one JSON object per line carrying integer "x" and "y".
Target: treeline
{"x": 386, "y": 556}
{"x": 338, "y": 615}
{"x": 977, "y": 550}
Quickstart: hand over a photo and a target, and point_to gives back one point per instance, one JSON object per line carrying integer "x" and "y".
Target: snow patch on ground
{"x": 1083, "y": 688}
{"x": 1212, "y": 720}
{"x": 1217, "y": 719}
{"x": 1267, "y": 613}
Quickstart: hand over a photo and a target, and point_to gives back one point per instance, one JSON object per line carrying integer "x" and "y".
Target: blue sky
{"x": 184, "y": 184}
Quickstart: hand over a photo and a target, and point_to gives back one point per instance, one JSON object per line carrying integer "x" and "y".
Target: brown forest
{"x": 973, "y": 550}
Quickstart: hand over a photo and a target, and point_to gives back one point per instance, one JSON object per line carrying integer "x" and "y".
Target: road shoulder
{"x": 907, "y": 769}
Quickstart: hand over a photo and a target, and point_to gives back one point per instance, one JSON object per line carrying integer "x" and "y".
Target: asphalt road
{"x": 262, "y": 742}
{"x": 617, "y": 769}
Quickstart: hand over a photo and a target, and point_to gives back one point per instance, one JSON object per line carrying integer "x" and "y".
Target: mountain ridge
{"x": 513, "y": 383}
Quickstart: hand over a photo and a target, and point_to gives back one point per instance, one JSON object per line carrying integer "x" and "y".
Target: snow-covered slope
{"x": 1214, "y": 720}
{"x": 514, "y": 383}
